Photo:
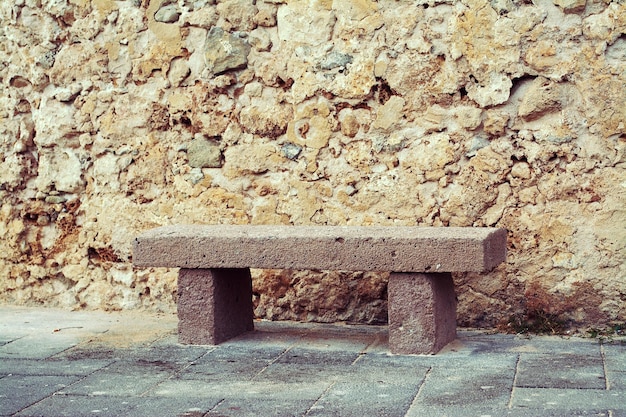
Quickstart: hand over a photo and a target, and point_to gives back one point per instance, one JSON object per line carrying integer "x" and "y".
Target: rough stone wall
{"x": 119, "y": 116}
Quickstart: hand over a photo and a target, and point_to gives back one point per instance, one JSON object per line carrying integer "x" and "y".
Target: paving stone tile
{"x": 615, "y": 355}
{"x": 332, "y": 336}
{"x": 470, "y": 342}
{"x": 63, "y": 406}
{"x": 560, "y": 371}
{"x": 91, "y": 352}
{"x": 568, "y": 399}
{"x": 479, "y": 348}
{"x": 478, "y": 343}
{"x": 478, "y": 411}
{"x": 390, "y": 368}
{"x": 170, "y": 407}
{"x": 97, "y": 350}
{"x": 377, "y": 358}
{"x": 79, "y": 406}
{"x": 275, "y": 334}
{"x": 239, "y": 390}
{"x": 175, "y": 354}
{"x": 480, "y": 361}
{"x": 252, "y": 352}
{"x": 233, "y": 363}
{"x": 310, "y": 356}
{"x": 459, "y": 386}
{"x": 242, "y": 407}
{"x": 192, "y": 387}
{"x": 51, "y": 367}
{"x": 372, "y": 398}
{"x": 302, "y": 373}
{"x": 342, "y": 331}
{"x": 38, "y": 346}
{"x": 616, "y": 380}
{"x": 119, "y": 379}
{"x": 27, "y": 319}
{"x": 282, "y": 336}
{"x": 19, "y": 391}
{"x": 221, "y": 371}
{"x": 172, "y": 354}
{"x": 338, "y": 338}
{"x": 561, "y": 345}
{"x": 297, "y": 365}
{"x": 143, "y": 367}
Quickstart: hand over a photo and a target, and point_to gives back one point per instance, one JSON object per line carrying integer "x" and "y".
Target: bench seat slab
{"x": 338, "y": 248}
{"x": 214, "y": 305}
{"x": 422, "y": 312}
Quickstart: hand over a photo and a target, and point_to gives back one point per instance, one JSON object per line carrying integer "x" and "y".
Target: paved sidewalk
{"x": 59, "y": 363}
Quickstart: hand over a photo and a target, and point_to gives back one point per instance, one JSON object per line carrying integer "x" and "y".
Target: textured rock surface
{"x": 119, "y": 116}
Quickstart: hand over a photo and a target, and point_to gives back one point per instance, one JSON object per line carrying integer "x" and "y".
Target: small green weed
{"x": 607, "y": 334}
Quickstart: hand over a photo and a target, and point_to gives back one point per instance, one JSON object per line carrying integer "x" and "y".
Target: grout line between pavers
{"x": 358, "y": 358}
{"x": 214, "y": 407}
{"x": 177, "y": 373}
{"x": 59, "y": 391}
{"x": 514, "y": 385}
{"x": 332, "y": 384}
{"x": 607, "y": 383}
{"x": 13, "y": 340}
{"x": 110, "y": 362}
{"x": 56, "y": 354}
{"x": 419, "y": 390}
{"x": 191, "y": 362}
{"x": 273, "y": 361}
{"x": 76, "y": 345}
{"x": 362, "y": 353}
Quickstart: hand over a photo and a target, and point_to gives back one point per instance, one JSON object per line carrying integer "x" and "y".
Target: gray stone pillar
{"x": 214, "y": 305}
{"x": 422, "y": 312}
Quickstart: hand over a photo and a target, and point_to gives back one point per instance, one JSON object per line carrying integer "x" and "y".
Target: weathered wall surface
{"x": 118, "y": 116}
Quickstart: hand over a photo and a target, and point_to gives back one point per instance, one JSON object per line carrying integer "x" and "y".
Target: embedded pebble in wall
{"x": 225, "y": 51}
{"x": 490, "y": 90}
{"x": 291, "y": 150}
{"x": 571, "y": 6}
{"x": 195, "y": 175}
{"x": 476, "y": 144}
{"x": 203, "y": 153}
{"x": 179, "y": 70}
{"x": 167, "y": 14}
{"x": 335, "y": 60}
{"x": 521, "y": 170}
{"x": 260, "y": 39}
{"x": 543, "y": 96}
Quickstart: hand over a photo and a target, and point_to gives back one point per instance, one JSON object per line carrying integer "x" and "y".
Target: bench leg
{"x": 422, "y": 312}
{"x": 214, "y": 305}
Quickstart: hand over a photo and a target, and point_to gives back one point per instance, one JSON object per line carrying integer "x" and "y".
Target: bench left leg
{"x": 214, "y": 305}
{"x": 422, "y": 312}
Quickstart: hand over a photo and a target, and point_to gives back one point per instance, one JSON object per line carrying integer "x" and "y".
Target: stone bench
{"x": 215, "y": 286}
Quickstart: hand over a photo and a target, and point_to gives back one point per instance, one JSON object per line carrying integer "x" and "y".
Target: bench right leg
{"x": 214, "y": 305}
